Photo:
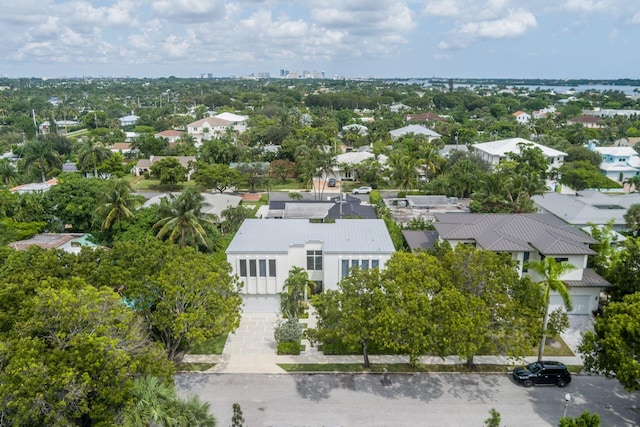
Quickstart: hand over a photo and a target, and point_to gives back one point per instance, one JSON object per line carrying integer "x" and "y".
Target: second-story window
{"x": 314, "y": 260}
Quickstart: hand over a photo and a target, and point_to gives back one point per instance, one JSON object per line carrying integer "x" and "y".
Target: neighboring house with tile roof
{"x": 424, "y": 118}
{"x": 170, "y": 135}
{"x": 213, "y": 127}
{"x": 122, "y": 148}
{"x": 588, "y": 207}
{"x": 264, "y": 250}
{"x": 592, "y": 122}
{"x": 495, "y": 151}
{"x": 208, "y": 128}
{"x": 531, "y": 237}
{"x": 416, "y": 130}
{"x": 522, "y": 117}
{"x": 68, "y": 242}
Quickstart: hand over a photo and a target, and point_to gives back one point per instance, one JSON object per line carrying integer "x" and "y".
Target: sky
{"x": 554, "y": 39}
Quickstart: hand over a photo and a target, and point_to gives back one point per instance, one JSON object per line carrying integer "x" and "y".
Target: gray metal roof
{"x": 343, "y": 236}
{"x": 590, "y": 279}
{"x": 515, "y": 233}
{"x": 587, "y": 206}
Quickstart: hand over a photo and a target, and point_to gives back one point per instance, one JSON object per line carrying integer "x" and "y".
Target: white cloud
{"x": 466, "y": 10}
{"x": 514, "y": 25}
{"x": 588, "y": 5}
{"x": 189, "y": 10}
{"x": 635, "y": 19}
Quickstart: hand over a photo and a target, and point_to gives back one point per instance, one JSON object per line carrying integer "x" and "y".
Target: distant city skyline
{"x": 552, "y": 39}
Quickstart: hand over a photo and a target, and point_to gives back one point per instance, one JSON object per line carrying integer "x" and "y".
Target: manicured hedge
{"x": 288, "y": 347}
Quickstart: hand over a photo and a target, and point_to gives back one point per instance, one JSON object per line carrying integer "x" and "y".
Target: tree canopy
{"x": 613, "y": 348}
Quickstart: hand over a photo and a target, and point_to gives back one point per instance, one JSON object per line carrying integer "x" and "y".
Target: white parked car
{"x": 361, "y": 190}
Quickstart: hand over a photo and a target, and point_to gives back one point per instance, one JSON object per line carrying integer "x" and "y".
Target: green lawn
{"x": 562, "y": 350}
{"x": 401, "y": 368}
{"x": 194, "y": 367}
{"x": 139, "y": 183}
{"x": 392, "y": 368}
{"x": 210, "y": 346}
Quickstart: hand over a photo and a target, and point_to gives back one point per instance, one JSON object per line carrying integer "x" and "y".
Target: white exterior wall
{"x": 330, "y": 274}
{"x": 584, "y": 300}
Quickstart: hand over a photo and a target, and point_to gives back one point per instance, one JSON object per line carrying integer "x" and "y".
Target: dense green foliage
{"x": 77, "y": 331}
{"x": 464, "y": 302}
{"x": 613, "y": 348}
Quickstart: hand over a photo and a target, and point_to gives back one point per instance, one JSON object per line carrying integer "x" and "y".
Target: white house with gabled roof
{"x": 495, "y": 151}
{"x": 264, "y": 250}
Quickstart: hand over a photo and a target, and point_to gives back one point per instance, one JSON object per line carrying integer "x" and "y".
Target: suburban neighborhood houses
{"x": 279, "y": 226}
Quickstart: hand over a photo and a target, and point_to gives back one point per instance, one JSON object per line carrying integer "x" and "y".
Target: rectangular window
{"x": 354, "y": 263}
{"x": 262, "y": 267}
{"x": 243, "y": 268}
{"x": 272, "y": 268}
{"x": 525, "y": 259}
{"x": 375, "y": 263}
{"x": 345, "y": 268}
{"x": 252, "y": 268}
{"x": 314, "y": 260}
{"x": 365, "y": 264}
{"x": 559, "y": 260}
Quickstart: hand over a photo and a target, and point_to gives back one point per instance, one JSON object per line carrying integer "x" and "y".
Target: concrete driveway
{"x": 578, "y": 325}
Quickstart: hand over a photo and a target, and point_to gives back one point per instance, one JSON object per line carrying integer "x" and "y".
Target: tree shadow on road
{"x": 317, "y": 387}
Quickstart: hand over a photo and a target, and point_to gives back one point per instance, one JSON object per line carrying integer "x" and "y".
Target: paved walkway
{"x": 252, "y": 348}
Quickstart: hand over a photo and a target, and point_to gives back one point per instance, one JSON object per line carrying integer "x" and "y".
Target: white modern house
{"x": 494, "y": 151}
{"x": 531, "y": 237}
{"x": 264, "y": 250}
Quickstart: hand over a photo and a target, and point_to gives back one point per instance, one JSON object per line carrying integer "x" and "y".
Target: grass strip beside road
{"x": 194, "y": 367}
{"x": 401, "y": 368}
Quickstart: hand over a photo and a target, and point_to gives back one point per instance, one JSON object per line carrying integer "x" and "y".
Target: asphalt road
{"x": 346, "y": 400}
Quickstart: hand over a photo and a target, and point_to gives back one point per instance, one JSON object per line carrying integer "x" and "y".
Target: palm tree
{"x": 182, "y": 219}
{"x": 155, "y": 403}
{"x": 550, "y": 270}
{"x": 295, "y": 290}
{"x": 7, "y": 172}
{"x": 91, "y": 154}
{"x": 40, "y": 154}
{"x": 117, "y": 204}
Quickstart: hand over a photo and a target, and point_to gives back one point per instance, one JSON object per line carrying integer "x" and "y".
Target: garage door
{"x": 581, "y": 303}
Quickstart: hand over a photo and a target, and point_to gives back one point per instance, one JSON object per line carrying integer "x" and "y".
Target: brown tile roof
{"x": 121, "y": 146}
{"x": 425, "y": 117}
{"x": 213, "y": 121}
{"x": 585, "y": 119}
{"x": 168, "y": 133}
